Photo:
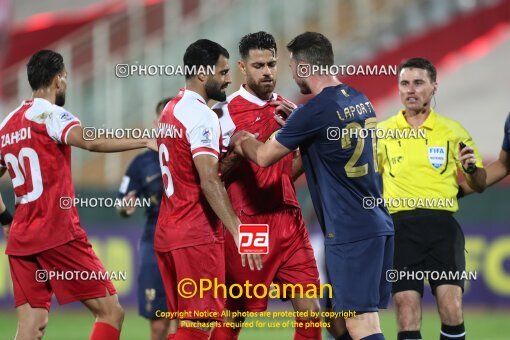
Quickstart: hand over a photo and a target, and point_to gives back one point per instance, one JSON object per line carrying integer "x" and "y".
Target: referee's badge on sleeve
{"x": 437, "y": 156}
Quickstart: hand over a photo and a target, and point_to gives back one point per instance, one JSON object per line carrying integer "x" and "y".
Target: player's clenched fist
{"x": 238, "y": 138}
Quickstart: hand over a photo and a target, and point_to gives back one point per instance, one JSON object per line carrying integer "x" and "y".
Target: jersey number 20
{"x": 17, "y": 164}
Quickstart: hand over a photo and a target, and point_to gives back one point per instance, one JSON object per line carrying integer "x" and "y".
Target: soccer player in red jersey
{"x": 265, "y": 195}
{"x": 46, "y": 237}
{"x": 189, "y": 233}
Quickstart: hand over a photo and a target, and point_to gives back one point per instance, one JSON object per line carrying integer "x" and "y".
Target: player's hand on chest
{"x": 261, "y": 122}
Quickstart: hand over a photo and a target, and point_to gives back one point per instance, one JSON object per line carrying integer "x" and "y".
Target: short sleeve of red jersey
{"x": 204, "y": 134}
{"x": 226, "y": 123}
{"x": 59, "y": 122}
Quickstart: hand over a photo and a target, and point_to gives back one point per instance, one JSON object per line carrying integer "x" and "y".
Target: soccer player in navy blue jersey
{"x": 143, "y": 180}
{"x": 340, "y": 171}
{"x": 498, "y": 169}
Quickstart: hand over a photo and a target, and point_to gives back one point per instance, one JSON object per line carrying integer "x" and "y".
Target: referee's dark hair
{"x": 313, "y": 48}
{"x": 257, "y": 41}
{"x": 161, "y": 104}
{"x": 42, "y": 67}
{"x": 421, "y": 63}
{"x": 202, "y": 52}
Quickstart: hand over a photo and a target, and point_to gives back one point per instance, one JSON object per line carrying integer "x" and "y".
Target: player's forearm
{"x": 297, "y": 165}
{"x": 477, "y": 180}
{"x": 116, "y": 145}
{"x": 254, "y": 151}
{"x": 216, "y": 195}
{"x": 76, "y": 138}
{"x": 496, "y": 171}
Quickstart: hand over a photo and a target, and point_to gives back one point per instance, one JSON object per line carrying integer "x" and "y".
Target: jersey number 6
{"x": 163, "y": 160}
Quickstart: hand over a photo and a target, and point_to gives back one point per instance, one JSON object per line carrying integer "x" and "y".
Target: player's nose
{"x": 228, "y": 79}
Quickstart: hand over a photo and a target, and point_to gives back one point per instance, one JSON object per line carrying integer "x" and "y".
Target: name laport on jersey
{"x": 360, "y": 109}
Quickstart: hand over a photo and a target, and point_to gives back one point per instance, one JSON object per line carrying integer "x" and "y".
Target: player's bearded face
{"x": 216, "y": 84}
{"x": 299, "y": 79}
{"x": 60, "y": 96}
{"x": 215, "y": 90}
{"x": 260, "y": 70}
{"x": 60, "y": 99}
{"x": 415, "y": 88}
{"x": 303, "y": 86}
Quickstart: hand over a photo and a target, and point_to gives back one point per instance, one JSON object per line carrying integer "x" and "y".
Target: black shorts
{"x": 427, "y": 241}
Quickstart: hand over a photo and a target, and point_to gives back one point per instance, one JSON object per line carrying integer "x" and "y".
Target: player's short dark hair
{"x": 422, "y": 63}
{"x": 203, "y": 52}
{"x": 42, "y": 67}
{"x": 259, "y": 41}
{"x": 313, "y": 48}
{"x": 161, "y": 104}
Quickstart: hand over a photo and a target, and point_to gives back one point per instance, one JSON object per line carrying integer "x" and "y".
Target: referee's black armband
{"x": 5, "y": 217}
{"x": 460, "y": 193}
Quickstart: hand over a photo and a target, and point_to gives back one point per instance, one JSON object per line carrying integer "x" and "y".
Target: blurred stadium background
{"x": 468, "y": 40}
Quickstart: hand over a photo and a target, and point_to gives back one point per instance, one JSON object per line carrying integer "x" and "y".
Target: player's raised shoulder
{"x": 57, "y": 119}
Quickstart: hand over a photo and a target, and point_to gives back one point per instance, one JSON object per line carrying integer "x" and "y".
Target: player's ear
{"x": 435, "y": 88}
{"x": 242, "y": 66}
{"x": 201, "y": 76}
{"x": 57, "y": 81}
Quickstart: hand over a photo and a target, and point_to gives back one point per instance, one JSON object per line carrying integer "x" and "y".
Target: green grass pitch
{"x": 67, "y": 324}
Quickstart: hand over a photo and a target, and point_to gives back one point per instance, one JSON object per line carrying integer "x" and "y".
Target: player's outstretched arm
{"x": 262, "y": 154}
{"x": 216, "y": 195}
{"x": 496, "y": 171}
{"x": 102, "y": 144}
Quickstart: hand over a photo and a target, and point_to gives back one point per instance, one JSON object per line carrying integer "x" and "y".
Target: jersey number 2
{"x": 164, "y": 158}
{"x": 19, "y": 175}
{"x": 350, "y": 168}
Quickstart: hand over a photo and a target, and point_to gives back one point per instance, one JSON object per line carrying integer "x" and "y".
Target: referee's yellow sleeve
{"x": 464, "y": 137}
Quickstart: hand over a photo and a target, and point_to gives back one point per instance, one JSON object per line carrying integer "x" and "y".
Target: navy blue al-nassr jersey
{"x": 144, "y": 177}
{"x": 339, "y": 156}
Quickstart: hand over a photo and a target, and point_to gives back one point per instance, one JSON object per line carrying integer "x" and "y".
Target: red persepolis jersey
{"x": 34, "y": 150}
{"x": 188, "y": 128}
{"x": 253, "y": 189}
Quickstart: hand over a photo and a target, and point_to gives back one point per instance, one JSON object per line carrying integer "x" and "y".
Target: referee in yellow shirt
{"x": 419, "y": 155}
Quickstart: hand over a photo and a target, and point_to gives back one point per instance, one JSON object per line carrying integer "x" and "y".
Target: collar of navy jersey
{"x": 254, "y": 99}
{"x": 427, "y": 124}
{"x": 193, "y": 94}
